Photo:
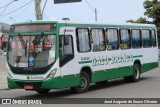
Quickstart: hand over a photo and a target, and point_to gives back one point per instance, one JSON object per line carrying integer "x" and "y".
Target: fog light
{"x": 51, "y": 74}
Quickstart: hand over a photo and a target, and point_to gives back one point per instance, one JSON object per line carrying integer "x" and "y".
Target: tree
{"x": 152, "y": 11}
{"x": 139, "y": 20}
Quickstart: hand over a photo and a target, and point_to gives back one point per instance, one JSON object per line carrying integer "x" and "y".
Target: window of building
{"x": 146, "y": 38}
{"x": 112, "y": 39}
{"x": 83, "y": 40}
{"x": 136, "y": 39}
{"x": 125, "y": 41}
{"x": 98, "y": 39}
{"x": 153, "y": 34}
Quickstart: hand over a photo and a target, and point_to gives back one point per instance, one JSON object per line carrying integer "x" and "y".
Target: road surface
{"x": 147, "y": 87}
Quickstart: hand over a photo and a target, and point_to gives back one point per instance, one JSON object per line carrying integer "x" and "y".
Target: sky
{"x": 109, "y": 11}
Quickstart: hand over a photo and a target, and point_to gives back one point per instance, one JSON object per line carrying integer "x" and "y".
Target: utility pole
{"x": 38, "y": 10}
{"x": 96, "y": 14}
{"x": 93, "y": 9}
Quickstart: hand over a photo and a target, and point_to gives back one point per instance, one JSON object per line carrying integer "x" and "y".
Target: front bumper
{"x": 37, "y": 84}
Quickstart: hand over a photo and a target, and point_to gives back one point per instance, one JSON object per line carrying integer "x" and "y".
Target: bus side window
{"x": 153, "y": 34}
{"x": 98, "y": 39}
{"x": 136, "y": 38}
{"x": 66, "y": 50}
{"x": 112, "y": 39}
{"x": 146, "y": 38}
{"x": 125, "y": 40}
{"x": 83, "y": 40}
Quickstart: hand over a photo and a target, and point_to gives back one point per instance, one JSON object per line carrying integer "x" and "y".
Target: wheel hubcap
{"x": 83, "y": 82}
{"x": 137, "y": 73}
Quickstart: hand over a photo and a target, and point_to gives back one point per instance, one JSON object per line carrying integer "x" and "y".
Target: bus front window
{"x": 31, "y": 51}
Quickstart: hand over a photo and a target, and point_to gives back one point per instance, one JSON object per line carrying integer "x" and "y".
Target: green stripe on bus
{"x": 90, "y": 61}
{"x": 85, "y": 62}
{"x": 71, "y": 81}
{"x": 137, "y": 56}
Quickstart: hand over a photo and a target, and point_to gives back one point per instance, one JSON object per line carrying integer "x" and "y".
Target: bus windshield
{"x": 31, "y": 51}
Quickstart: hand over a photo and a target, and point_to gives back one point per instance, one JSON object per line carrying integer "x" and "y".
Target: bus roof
{"x": 89, "y": 24}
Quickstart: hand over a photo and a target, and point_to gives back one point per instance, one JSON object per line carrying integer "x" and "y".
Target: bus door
{"x": 67, "y": 63}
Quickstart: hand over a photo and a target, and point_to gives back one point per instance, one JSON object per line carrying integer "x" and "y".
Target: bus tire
{"x": 84, "y": 84}
{"x": 136, "y": 74}
{"x": 43, "y": 91}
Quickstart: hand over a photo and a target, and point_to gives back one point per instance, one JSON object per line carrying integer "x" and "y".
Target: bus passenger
{"x": 18, "y": 48}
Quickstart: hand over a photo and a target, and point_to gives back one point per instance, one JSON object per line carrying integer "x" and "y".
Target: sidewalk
{"x": 3, "y": 73}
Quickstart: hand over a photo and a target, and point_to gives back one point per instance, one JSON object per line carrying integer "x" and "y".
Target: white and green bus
{"x": 44, "y": 55}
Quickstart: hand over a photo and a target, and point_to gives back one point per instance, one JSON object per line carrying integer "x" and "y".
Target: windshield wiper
{"x": 26, "y": 48}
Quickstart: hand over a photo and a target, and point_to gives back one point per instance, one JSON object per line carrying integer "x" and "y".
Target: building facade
{"x": 4, "y": 27}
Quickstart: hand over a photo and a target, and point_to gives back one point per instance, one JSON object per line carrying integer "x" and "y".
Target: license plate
{"x": 29, "y": 87}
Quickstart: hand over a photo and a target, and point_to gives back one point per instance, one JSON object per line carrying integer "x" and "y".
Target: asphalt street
{"x": 147, "y": 87}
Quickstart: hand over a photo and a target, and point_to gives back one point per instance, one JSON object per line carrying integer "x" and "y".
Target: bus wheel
{"x": 84, "y": 84}
{"x": 136, "y": 74}
{"x": 43, "y": 91}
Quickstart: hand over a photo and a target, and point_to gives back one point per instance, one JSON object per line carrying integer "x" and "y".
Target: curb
{"x": 5, "y": 89}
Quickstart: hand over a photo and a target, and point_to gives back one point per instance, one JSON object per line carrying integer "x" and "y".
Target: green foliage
{"x": 152, "y": 11}
{"x": 158, "y": 33}
{"x": 152, "y": 8}
{"x": 139, "y": 20}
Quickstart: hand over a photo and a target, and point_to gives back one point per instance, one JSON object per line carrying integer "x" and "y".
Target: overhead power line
{"x": 46, "y": 16}
{"x": 22, "y": 12}
{"x": 89, "y": 5}
{"x": 4, "y": 10}
{"x": 44, "y": 6}
{"x": 93, "y": 9}
{"x": 8, "y": 4}
{"x": 16, "y": 9}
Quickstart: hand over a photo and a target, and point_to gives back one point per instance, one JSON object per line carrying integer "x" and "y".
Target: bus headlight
{"x": 51, "y": 74}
